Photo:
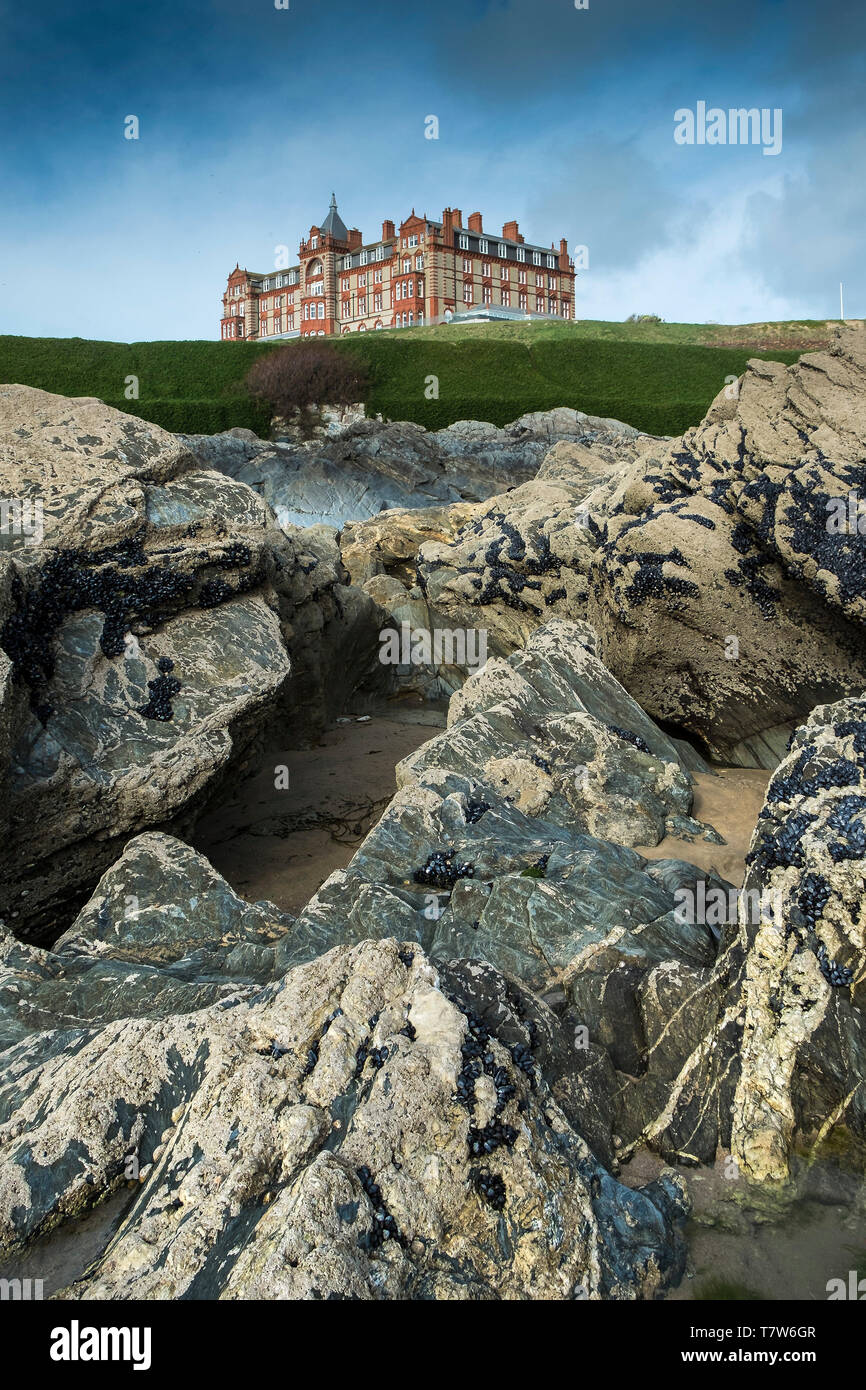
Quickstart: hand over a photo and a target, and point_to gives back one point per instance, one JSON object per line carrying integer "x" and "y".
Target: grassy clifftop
{"x": 660, "y": 377}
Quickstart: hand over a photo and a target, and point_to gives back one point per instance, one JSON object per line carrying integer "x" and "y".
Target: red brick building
{"x": 422, "y": 272}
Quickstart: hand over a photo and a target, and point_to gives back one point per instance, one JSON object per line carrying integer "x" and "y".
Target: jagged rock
{"x": 767, "y": 1051}
{"x": 724, "y": 535}
{"x": 581, "y": 752}
{"x": 475, "y": 869}
{"x": 323, "y": 1142}
{"x": 525, "y": 556}
{"x": 149, "y": 629}
{"x": 372, "y": 466}
{"x": 162, "y": 934}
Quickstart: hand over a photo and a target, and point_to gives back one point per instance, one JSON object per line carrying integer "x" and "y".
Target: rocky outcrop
{"x": 724, "y": 598}
{"x": 150, "y": 625}
{"x": 162, "y": 934}
{"x": 765, "y": 1056}
{"x": 370, "y": 466}
{"x": 721, "y": 570}
{"x": 360, "y": 1130}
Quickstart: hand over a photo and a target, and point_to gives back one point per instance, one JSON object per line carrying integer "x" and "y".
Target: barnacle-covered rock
{"x": 271, "y": 1166}
{"x": 147, "y": 621}
{"x": 767, "y": 1054}
{"x": 729, "y": 587}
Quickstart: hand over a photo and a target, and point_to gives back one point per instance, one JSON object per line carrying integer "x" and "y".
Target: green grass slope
{"x": 660, "y": 377}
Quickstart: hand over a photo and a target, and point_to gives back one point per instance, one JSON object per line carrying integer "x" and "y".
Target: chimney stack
{"x": 511, "y": 232}
{"x": 475, "y": 222}
{"x": 355, "y": 238}
{"x": 457, "y": 218}
{"x": 387, "y": 230}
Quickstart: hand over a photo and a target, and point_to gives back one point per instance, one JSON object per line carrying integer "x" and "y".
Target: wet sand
{"x": 734, "y": 1256}
{"x": 730, "y": 802}
{"x": 282, "y": 843}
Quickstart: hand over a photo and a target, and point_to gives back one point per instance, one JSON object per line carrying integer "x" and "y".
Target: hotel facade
{"x": 421, "y": 272}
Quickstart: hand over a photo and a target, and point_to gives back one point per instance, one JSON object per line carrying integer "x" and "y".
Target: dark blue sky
{"x": 562, "y": 118}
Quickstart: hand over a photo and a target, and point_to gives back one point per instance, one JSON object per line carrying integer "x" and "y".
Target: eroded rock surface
{"x": 353, "y": 1133}
{"x": 151, "y": 625}
{"x": 370, "y": 467}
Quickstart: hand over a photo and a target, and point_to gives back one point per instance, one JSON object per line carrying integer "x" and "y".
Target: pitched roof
{"x": 333, "y": 224}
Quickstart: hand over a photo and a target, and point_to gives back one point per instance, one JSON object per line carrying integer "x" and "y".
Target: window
{"x": 293, "y": 277}
{"x": 345, "y": 285}
{"x": 485, "y": 268}
{"x": 503, "y": 272}
{"x": 566, "y": 309}
{"x": 411, "y": 318}
{"x": 362, "y": 282}
{"x": 551, "y": 282}
{"x": 539, "y": 282}
{"x": 503, "y": 250}
{"x": 346, "y": 309}
{"x": 321, "y": 311}
{"x": 467, "y": 266}
{"x": 521, "y": 253}
{"x": 485, "y": 295}
{"x": 407, "y": 266}
{"x": 536, "y": 258}
{"x": 377, "y": 305}
{"x": 463, "y": 242}
{"x": 419, "y": 262}
{"x": 362, "y": 304}
{"x": 522, "y": 298}
{"x": 482, "y": 247}
{"x": 521, "y": 277}
{"x": 539, "y": 304}
{"x": 380, "y": 255}
{"x": 314, "y": 241}
{"x": 551, "y": 306}
{"x": 550, "y": 263}
{"x": 362, "y": 259}
{"x": 413, "y": 241}
{"x": 377, "y": 277}
{"x": 506, "y": 298}
{"x": 467, "y": 292}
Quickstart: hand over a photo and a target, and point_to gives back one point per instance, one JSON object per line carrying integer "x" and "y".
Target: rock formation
{"x": 149, "y": 629}
{"x": 427, "y": 1083}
